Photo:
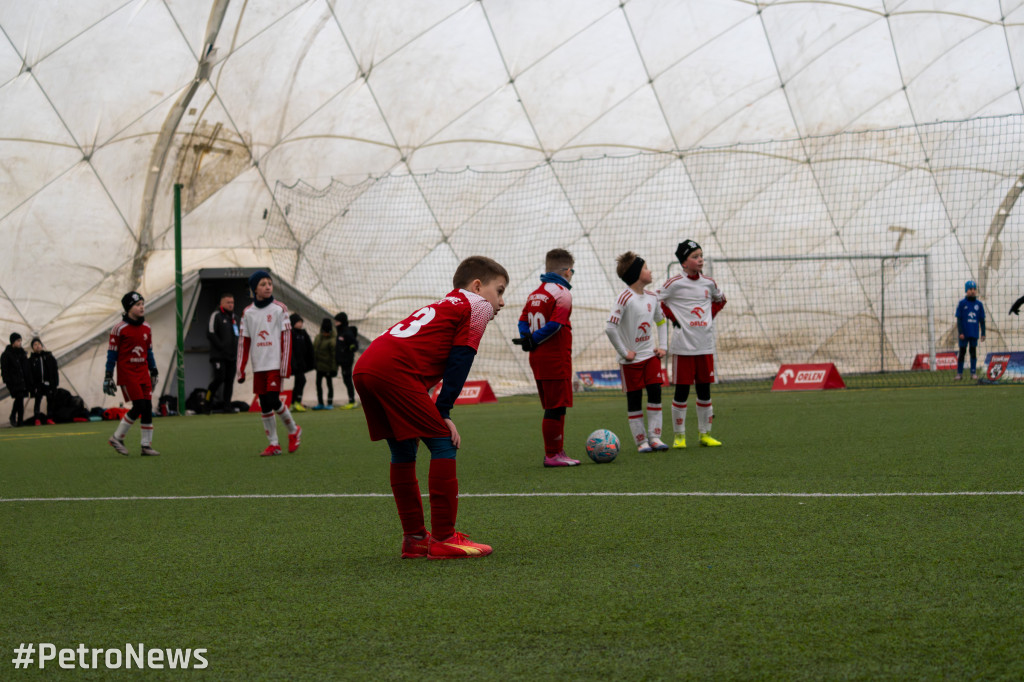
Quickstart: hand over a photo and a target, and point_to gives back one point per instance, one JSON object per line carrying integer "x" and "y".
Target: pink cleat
{"x": 560, "y": 460}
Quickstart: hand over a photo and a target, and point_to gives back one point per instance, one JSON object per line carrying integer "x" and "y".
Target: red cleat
{"x": 457, "y": 546}
{"x": 414, "y": 547}
{"x": 271, "y": 451}
{"x": 295, "y": 439}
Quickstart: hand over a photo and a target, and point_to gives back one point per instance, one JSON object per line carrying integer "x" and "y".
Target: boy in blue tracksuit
{"x": 970, "y": 325}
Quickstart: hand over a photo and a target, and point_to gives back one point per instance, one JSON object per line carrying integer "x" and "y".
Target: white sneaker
{"x": 657, "y": 444}
{"x": 644, "y": 447}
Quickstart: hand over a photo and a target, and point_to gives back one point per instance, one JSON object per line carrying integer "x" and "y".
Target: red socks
{"x": 444, "y": 497}
{"x": 553, "y": 431}
{"x": 406, "y": 489}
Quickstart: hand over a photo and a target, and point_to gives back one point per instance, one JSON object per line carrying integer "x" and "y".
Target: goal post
{"x": 866, "y": 313}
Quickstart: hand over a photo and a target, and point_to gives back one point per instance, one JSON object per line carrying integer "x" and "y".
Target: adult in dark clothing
{"x": 223, "y": 337}
{"x": 302, "y": 360}
{"x": 17, "y": 376}
{"x": 345, "y": 354}
{"x": 45, "y": 377}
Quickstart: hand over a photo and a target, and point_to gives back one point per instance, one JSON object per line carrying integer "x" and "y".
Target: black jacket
{"x": 348, "y": 344}
{"x": 15, "y": 372}
{"x": 45, "y": 376}
{"x": 302, "y": 352}
{"x": 223, "y": 336}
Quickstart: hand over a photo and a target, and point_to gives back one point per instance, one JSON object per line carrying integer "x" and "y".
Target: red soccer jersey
{"x": 415, "y": 351}
{"x": 132, "y": 343}
{"x": 552, "y": 359}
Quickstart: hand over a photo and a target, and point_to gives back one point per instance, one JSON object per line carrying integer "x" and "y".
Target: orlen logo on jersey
{"x": 644, "y": 332}
{"x": 813, "y": 376}
{"x": 698, "y": 312}
{"x": 138, "y": 354}
{"x": 263, "y": 342}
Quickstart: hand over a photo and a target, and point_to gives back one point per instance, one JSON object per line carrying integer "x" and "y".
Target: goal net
{"x": 835, "y": 249}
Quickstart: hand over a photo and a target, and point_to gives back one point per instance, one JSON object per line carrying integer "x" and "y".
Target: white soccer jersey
{"x": 633, "y": 323}
{"x": 269, "y": 332}
{"x": 689, "y": 301}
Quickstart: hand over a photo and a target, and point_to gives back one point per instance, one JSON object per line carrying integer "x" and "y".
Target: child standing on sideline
{"x": 302, "y": 359}
{"x": 970, "y": 326}
{"x": 17, "y": 376}
{"x": 131, "y": 350}
{"x": 394, "y": 377}
{"x": 266, "y": 332}
{"x": 45, "y": 377}
{"x": 691, "y": 301}
{"x": 345, "y": 352}
{"x": 326, "y": 363}
{"x": 545, "y": 333}
{"x": 631, "y": 328}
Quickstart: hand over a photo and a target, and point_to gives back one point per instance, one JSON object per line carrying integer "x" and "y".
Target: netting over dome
{"x": 810, "y": 128}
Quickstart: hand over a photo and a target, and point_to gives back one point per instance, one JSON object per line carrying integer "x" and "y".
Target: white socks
{"x": 654, "y": 421}
{"x": 122, "y": 428}
{"x": 636, "y": 427}
{"x": 704, "y": 416}
{"x": 679, "y": 417}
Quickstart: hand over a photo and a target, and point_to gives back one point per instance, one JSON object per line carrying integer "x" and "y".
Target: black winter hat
{"x": 295, "y": 317}
{"x": 130, "y": 299}
{"x": 342, "y": 318}
{"x": 685, "y": 249}
{"x": 15, "y": 336}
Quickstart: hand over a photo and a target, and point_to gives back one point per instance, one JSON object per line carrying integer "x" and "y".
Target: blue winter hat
{"x": 254, "y": 280}
{"x": 970, "y": 284}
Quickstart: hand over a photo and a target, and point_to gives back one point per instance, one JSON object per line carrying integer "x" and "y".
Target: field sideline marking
{"x": 258, "y": 496}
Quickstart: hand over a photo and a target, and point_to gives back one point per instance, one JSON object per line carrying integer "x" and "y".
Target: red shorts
{"x": 135, "y": 392}
{"x": 266, "y": 382}
{"x": 637, "y": 375}
{"x": 554, "y": 393}
{"x": 398, "y": 412}
{"x": 693, "y": 369}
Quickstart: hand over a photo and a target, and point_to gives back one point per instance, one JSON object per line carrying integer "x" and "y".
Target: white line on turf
{"x": 256, "y": 496}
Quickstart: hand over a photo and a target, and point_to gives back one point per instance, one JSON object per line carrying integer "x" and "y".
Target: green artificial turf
{"x": 807, "y": 547}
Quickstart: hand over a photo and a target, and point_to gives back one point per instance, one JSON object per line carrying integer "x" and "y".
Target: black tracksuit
{"x": 17, "y": 376}
{"x": 223, "y": 337}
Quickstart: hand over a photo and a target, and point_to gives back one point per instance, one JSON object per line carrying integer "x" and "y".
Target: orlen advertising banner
{"x": 1003, "y": 368}
{"x": 473, "y": 393}
{"x": 807, "y": 377}
{"x": 943, "y": 360}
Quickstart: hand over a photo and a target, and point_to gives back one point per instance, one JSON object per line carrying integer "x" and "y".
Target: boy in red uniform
{"x": 265, "y": 332}
{"x": 394, "y": 377}
{"x": 545, "y": 333}
{"x": 131, "y": 350}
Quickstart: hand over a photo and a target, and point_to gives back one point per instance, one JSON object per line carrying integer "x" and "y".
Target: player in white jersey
{"x": 265, "y": 336}
{"x": 636, "y": 329}
{"x": 691, "y": 301}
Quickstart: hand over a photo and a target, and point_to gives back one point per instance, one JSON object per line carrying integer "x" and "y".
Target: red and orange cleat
{"x": 271, "y": 451}
{"x": 415, "y": 547}
{"x": 457, "y": 546}
{"x": 295, "y": 439}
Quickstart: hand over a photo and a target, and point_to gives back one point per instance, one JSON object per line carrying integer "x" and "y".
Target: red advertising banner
{"x": 808, "y": 377}
{"x": 473, "y": 392}
{"x": 944, "y": 360}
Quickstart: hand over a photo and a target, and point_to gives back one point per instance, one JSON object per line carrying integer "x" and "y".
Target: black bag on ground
{"x": 196, "y": 401}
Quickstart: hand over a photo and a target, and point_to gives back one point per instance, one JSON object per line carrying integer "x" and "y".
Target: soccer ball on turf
{"x": 602, "y": 446}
